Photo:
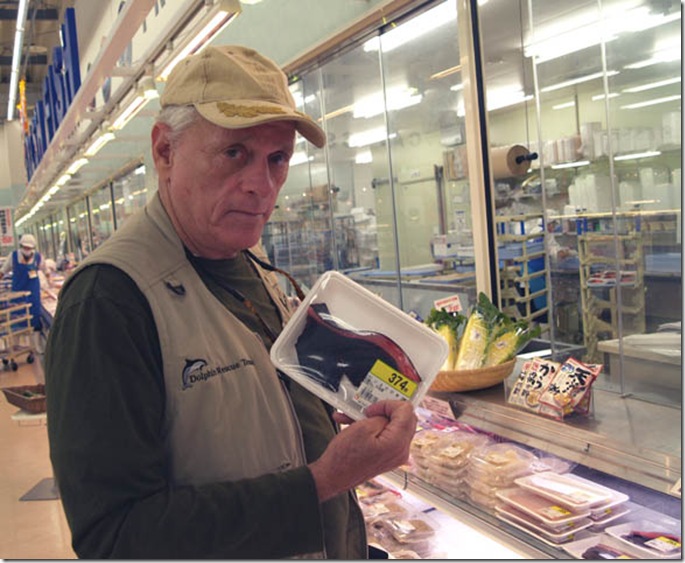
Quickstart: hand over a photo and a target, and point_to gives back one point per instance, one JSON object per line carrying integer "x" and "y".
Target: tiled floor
{"x": 31, "y": 529}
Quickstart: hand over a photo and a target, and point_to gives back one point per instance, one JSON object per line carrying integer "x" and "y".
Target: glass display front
{"x": 79, "y": 229}
{"x": 387, "y": 202}
{"x": 594, "y": 91}
{"x": 102, "y": 215}
{"x": 129, "y": 194}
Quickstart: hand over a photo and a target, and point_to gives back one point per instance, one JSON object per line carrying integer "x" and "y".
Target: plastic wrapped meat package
{"x": 495, "y": 467}
{"x": 351, "y": 348}
{"x": 534, "y": 527}
{"x": 412, "y": 532}
{"x": 567, "y": 490}
{"x": 654, "y": 538}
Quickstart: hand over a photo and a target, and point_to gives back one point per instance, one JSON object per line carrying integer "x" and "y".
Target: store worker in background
{"x": 171, "y": 434}
{"x": 25, "y": 263}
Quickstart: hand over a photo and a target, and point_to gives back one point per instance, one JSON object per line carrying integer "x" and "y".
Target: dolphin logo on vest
{"x": 190, "y": 367}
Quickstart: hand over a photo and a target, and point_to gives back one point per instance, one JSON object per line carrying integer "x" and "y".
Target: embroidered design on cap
{"x": 233, "y": 110}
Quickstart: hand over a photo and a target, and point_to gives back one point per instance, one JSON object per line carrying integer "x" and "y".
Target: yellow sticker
{"x": 394, "y": 378}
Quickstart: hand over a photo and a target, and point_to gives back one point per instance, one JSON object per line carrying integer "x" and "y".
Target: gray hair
{"x": 178, "y": 119}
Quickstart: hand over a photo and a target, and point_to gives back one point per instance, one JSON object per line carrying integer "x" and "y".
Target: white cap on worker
{"x": 28, "y": 241}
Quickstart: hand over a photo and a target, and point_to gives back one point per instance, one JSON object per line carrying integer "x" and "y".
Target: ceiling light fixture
{"x": 220, "y": 15}
{"x": 76, "y": 165}
{"x": 99, "y": 142}
{"x": 652, "y": 85}
{"x": 605, "y": 96}
{"x": 145, "y": 92}
{"x": 579, "y": 80}
{"x": 565, "y": 105}
{"x": 369, "y": 137}
{"x": 22, "y": 11}
{"x": 414, "y": 28}
{"x": 396, "y": 98}
{"x": 575, "y": 164}
{"x": 653, "y": 102}
{"x": 635, "y": 155}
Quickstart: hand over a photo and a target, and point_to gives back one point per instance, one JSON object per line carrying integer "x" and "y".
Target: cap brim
{"x": 238, "y": 114}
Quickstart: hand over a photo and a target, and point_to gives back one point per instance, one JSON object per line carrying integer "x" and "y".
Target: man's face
{"x": 27, "y": 251}
{"x": 219, "y": 185}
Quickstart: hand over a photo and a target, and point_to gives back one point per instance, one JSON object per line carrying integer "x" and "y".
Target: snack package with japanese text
{"x": 531, "y": 383}
{"x": 569, "y": 389}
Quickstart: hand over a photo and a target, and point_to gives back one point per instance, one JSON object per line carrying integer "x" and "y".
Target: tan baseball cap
{"x": 236, "y": 87}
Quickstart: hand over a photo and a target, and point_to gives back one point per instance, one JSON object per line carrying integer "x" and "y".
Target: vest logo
{"x": 196, "y": 371}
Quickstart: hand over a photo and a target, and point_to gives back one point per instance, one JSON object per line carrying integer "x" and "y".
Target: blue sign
{"x": 59, "y": 89}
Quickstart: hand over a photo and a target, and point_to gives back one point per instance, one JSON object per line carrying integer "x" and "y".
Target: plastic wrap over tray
{"x": 351, "y": 348}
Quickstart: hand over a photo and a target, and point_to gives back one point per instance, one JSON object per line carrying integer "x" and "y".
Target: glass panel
{"x": 427, "y": 194}
{"x": 389, "y": 231}
{"x": 129, "y": 194}
{"x": 101, "y": 215}
{"x": 79, "y": 229}
{"x": 644, "y": 87}
{"x": 610, "y": 164}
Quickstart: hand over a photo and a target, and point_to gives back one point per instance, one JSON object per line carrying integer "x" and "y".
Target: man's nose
{"x": 257, "y": 177}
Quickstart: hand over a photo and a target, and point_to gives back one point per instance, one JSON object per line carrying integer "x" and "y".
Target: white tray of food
{"x": 566, "y": 490}
{"x": 658, "y": 538}
{"x": 548, "y": 512}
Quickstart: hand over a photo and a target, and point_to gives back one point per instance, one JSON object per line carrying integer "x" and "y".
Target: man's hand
{"x": 366, "y": 448}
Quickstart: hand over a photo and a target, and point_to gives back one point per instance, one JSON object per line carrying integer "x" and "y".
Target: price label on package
{"x": 383, "y": 382}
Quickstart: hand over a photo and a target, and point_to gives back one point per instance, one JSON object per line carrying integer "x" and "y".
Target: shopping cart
{"x": 16, "y": 331}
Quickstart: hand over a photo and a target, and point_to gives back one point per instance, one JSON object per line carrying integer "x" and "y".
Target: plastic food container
{"x": 499, "y": 464}
{"x": 410, "y": 528}
{"x": 615, "y": 504}
{"x": 554, "y": 535}
{"x": 661, "y": 537}
{"x": 529, "y": 524}
{"x": 613, "y": 548}
{"x": 351, "y": 348}
{"x": 548, "y": 512}
{"x": 567, "y": 490}
{"x": 451, "y": 452}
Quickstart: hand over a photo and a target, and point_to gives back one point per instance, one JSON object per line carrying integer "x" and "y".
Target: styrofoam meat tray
{"x": 354, "y": 310}
{"x": 566, "y": 490}
{"x": 576, "y": 548}
{"x": 531, "y": 532}
{"x": 543, "y": 509}
{"x": 557, "y": 536}
{"x": 660, "y": 547}
{"x": 604, "y": 510}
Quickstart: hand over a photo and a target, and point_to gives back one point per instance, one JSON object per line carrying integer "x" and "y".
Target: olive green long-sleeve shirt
{"x": 105, "y": 395}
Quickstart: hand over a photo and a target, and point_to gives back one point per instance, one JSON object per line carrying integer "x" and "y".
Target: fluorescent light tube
{"x": 395, "y": 98}
{"x": 22, "y": 11}
{"x": 228, "y": 11}
{"x": 414, "y": 28}
{"x": 363, "y": 157}
{"x": 575, "y": 164}
{"x": 76, "y": 165}
{"x": 604, "y": 96}
{"x": 565, "y": 105}
{"x": 652, "y": 102}
{"x": 129, "y": 112}
{"x": 63, "y": 179}
{"x": 652, "y": 85}
{"x": 369, "y": 137}
{"x": 98, "y": 143}
{"x": 579, "y": 80}
{"x": 635, "y": 155}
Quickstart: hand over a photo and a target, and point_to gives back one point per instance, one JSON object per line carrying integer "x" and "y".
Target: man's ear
{"x": 161, "y": 146}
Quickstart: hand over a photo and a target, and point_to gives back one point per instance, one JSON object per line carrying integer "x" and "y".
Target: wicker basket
{"x": 18, "y": 396}
{"x": 472, "y": 379}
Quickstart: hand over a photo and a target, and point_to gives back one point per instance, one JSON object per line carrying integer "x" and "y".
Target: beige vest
{"x": 228, "y": 416}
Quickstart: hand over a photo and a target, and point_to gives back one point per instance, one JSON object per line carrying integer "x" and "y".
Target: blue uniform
{"x": 25, "y": 278}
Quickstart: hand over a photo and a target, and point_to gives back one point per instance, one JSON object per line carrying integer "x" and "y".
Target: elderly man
{"x": 233, "y": 462}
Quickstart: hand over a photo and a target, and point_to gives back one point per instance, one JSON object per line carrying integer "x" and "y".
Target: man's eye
{"x": 280, "y": 158}
{"x": 234, "y": 152}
